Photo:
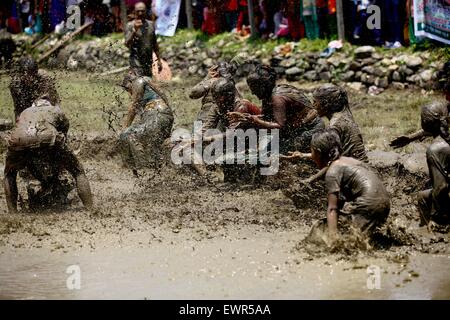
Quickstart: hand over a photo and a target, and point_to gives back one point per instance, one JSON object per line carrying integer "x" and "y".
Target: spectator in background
{"x": 243, "y": 15}
{"x": 393, "y": 25}
{"x": 296, "y": 30}
{"x": 309, "y": 15}
{"x": 212, "y": 17}
{"x": 231, "y": 14}
{"x": 361, "y": 34}
{"x": 281, "y": 28}
{"x": 26, "y": 10}
{"x": 115, "y": 15}
{"x": 197, "y": 13}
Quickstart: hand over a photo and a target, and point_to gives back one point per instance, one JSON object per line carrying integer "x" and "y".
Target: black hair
{"x": 226, "y": 70}
{"x": 263, "y": 74}
{"x": 27, "y": 65}
{"x": 327, "y": 143}
{"x": 223, "y": 87}
{"x": 434, "y": 119}
{"x": 331, "y": 97}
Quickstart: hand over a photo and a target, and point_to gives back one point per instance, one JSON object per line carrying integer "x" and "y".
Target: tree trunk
{"x": 188, "y": 4}
{"x": 251, "y": 18}
{"x": 340, "y": 20}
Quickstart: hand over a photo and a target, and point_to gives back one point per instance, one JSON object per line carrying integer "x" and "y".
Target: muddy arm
{"x": 130, "y": 35}
{"x": 84, "y": 190}
{"x": 11, "y": 192}
{"x": 137, "y": 93}
{"x": 317, "y": 176}
{"x": 405, "y": 140}
{"x": 332, "y": 214}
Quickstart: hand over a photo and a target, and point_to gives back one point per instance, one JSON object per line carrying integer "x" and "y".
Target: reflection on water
{"x": 219, "y": 269}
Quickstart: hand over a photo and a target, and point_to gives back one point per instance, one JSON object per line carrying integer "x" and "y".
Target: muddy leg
{"x": 71, "y": 164}
{"x": 11, "y": 192}
{"x": 424, "y": 204}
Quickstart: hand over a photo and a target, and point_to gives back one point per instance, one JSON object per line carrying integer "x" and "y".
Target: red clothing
{"x": 232, "y": 5}
{"x": 248, "y": 107}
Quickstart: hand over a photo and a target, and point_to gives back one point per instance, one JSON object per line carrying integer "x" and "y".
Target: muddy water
{"x": 247, "y": 263}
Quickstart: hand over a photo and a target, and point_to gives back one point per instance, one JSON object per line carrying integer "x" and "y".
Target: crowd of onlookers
{"x": 293, "y": 19}
{"x": 312, "y": 19}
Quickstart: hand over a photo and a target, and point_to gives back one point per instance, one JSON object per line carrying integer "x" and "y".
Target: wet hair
{"x": 262, "y": 74}
{"x": 27, "y": 65}
{"x": 332, "y": 98}
{"x": 226, "y": 70}
{"x": 434, "y": 119}
{"x": 327, "y": 143}
{"x": 223, "y": 87}
{"x": 128, "y": 79}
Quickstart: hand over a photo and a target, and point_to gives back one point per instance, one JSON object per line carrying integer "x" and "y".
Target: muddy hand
{"x": 399, "y": 142}
{"x": 292, "y": 155}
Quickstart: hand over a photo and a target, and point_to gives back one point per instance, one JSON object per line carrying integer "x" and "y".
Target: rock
{"x": 383, "y": 159}
{"x": 377, "y": 56}
{"x": 288, "y": 63}
{"x": 294, "y": 71}
{"x": 357, "y": 86}
{"x": 6, "y": 124}
{"x": 368, "y": 61}
{"x": 393, "y": 67}
{"x": 382, "y": 82}
{"x": 398, "y": 85}
{"x": 190, "y": 44}
{"x": 413, "y": 62}
{"x": 386, "y": 62}
{"x": 354, "y": 65}
{"x": 415, "y": 163}
{"x": 214, "y": 53}
{"x": 364, "y": 52}
{"x": 208, "y": 62}
{"x": 426, "y": 75}
{"x": 348, "y": 76}
{"x": 380, "y": 71}
{"x": 368, "y": 69}
{"x": 72, "y": 64}
{"x": 325, "y": 75}
{"x": 311, "y": 75}
{"x": 367, "y": 79}
{"x": 405, "y": 70}
{"x": 374, "y": 90}
{"x": 396, "y": 76}
{"x": 193, "y": 69}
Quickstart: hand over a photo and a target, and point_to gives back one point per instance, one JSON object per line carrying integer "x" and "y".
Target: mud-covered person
{"x": 142, "y": 141}
{"x": 228, "y": 111}
{"x": 37, "y": 141}
{"x": 203, "y": 88}
{"x": 284, "y": 107}
{"x": 354, "y": 190}
{"x": 444, "y": 84}
{"x": 434, "y": 203}
{"x": 331, "y": 101}
{"x": 141, "y": 39}
{"x": 28, "y": 83}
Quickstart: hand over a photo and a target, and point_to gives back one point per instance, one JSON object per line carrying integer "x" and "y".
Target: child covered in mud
{"x": 434, "y": 203}
{"x": 331, "y": 101}
{"x": 354, "y": 191}
{"x": 141, "y": 142}
{"x": 444, "y": 80}
{"x": 203, "y": 89}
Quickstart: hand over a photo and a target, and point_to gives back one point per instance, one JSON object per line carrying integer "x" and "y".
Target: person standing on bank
{"x": 140, "y": 38}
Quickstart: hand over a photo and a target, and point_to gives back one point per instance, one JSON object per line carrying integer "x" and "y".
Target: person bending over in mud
{"x": 422, "y": 134}
{"x": 203, "y": 89}
{"x": 141, "y": 142}
{"x": 353, "y": 190}
{"x": 434, "y": 204}
{"x": 37, "y": 142}
{"x": 227, "y": 109}
{"x": 28, "y": 83}
{"x": 284, "y": 107}
{"x": 331, "y": 101}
